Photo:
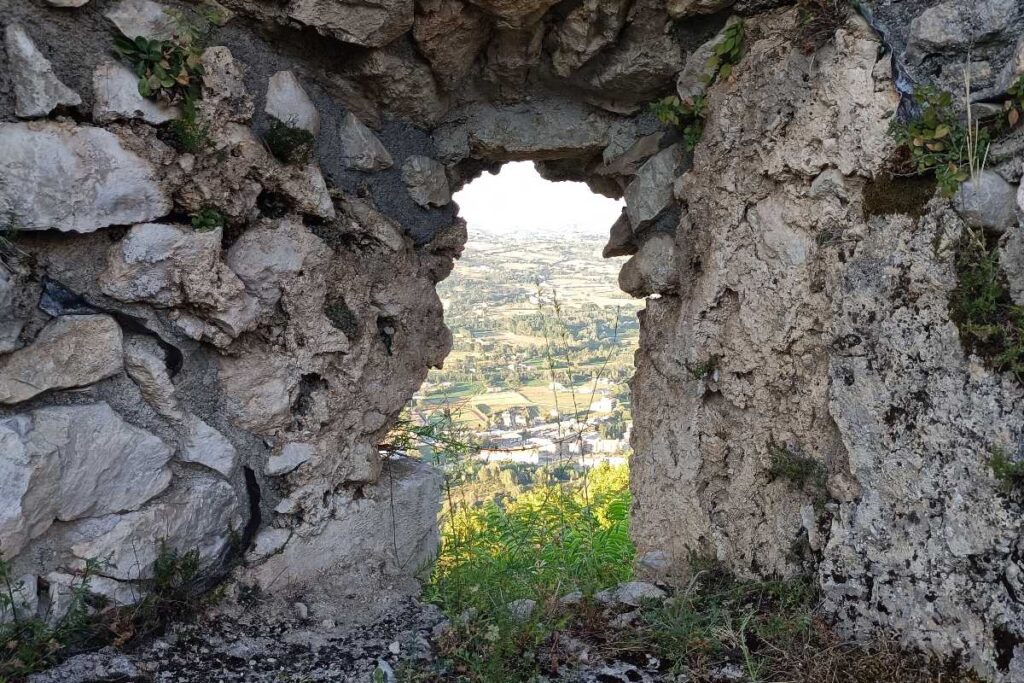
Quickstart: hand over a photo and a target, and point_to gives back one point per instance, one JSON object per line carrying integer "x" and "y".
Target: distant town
{"x": 543, "y": 349}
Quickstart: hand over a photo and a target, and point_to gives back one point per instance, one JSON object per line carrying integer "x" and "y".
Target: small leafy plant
{"x": 688, "y": 117}
{"x": 168, "y": 70}
{"x": 727, "y": 53}
{"x": 937, "y": 142}
{"x": 1014, "y": 107}
{"x": 208, "y": 218}
{"x": 288, "y": 143}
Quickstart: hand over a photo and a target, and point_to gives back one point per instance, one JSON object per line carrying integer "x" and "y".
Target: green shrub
{"x": 169, "y": 70}
{"x": 208, "y": 218}
{"x": 990, "y": 323}
{"x": 726, "y": 54}
{"x": 289, "y": 144}
{"x": 937, "y": 142}
{"x": 1010, "y": 473}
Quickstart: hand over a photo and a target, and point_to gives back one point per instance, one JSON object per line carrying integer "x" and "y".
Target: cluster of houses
{"x": 552, "y": 443}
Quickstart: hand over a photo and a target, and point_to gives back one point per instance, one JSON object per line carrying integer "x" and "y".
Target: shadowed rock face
{"x": 228, "y": 337}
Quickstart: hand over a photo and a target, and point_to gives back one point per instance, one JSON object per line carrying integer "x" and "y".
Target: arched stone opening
{"x": 795, "y": 324}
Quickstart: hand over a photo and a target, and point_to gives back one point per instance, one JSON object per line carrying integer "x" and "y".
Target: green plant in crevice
{"x": 288, "y": 143}
{"x": 190, "y": 132}
{"x": 937, "y": 142}
{"x": 726, "y": 53}
{"x": 168, "y": 70}
{"x": 1009, "y": 473}
{"x": 1014, "y": 105}
{"x": 803, "y": 471}
{"x": 990, "y": 323}
{"x": 208, "y": 218}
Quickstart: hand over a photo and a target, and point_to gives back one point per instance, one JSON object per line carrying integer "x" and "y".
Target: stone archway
{"x": 236, "y": 380}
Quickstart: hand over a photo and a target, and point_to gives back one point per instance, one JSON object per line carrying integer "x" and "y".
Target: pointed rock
{"x": 142, "y": 18}
{"x": 37, "y": 90}
{"x": 288, "y": 102}
{"x": 426, "y": 181}
{"x": 360, "y": 148}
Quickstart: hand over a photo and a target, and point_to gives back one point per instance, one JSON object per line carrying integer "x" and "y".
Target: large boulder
{"x": 650, "y": 193}
{"x": 71, "y": 351}
{"x": 37, "y": 90}
{"x": 74, "y": 178}
{"x": 653, "y": 270}
{"x": 988, "y": 202}
{"x": 954, "y": 25}
{"x": 72, "y": 462}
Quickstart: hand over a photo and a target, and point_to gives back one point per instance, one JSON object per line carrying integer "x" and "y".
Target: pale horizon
{"x": 517, "y": 200}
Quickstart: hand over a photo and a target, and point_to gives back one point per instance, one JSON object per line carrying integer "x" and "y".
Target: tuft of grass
{"x": 1010, "y": 473}
{"x": 802, "y": 470}
{"x": 819, "y": 20}
{"x": 207, "y": 219}
{"x": 702, "y": 369}
{"x": 289, "y": 144}
{"x": 990, "y": 324}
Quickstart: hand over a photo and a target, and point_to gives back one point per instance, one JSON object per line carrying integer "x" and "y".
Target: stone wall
{"x": 225, "y": 389}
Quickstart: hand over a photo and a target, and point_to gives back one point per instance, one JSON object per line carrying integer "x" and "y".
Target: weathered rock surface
{"x": 654, "y": 268}
{"x": 198, "y": 516}
{"x": 74, "y": 462}
{"x": 370, "y": 23}
{"x": 360, "y": 148}
{"x": 106, "y": 665}
{"x": 588, "y": 29}
{"x": 116, "y": 96}
{"x": 208, "y": 447}
{"x": 142, "y": 18}
{"x": 179, "y": 268}
{"x": 426, "y": 181}
{"x": 288, "y": 102}
{"x": 71, "y": 351}
{"x": 679, "y": 9}
{"x": 650, "y": 193}
{"x": 987, "y": 202}
{"x": 450, "y": 34}
{"x": 292, "y": 455}
{"x": 224, "y": 93}
{"x": 515, "y": 13}
{"x": 37, "y": 90}
{"x": 74, "y": 178}
{"x": 953, "y": 24}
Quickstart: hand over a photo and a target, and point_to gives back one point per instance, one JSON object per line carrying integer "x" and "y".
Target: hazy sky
{"x": 518, "y": 199}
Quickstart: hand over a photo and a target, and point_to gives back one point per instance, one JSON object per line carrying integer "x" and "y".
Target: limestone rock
{"x": 175, "y": 267}
{"x": 224, "y": 93}
{"x": 74, "y": 178}
{"x": 512, "y": 54}
{"x": 199, "y": 516}
{"x": 37, "y": 90}
{"x": 360, "y": 148}
{"x": 987, "y": 202}
{"x": 1014, "y": 68}
{"x": 650, "y": 193}
{"x": 411, "y": 490}
{"x": 370, "y": 23}
{"x": 521, "y": 610}
{"x": 292, "y": 455}
{"x": 401, "y": 83}
{"x": 142, "y": 18}
{"x": 288, "y": 102}
{"x": 620, "y": 242}
{"x": 588, "y": 29}
{"x": 267, "y": 542}
{"x": 10, "y": 325}
{"x": 367, "y": 222}
{"x": 145, "y": 362}
{"x": 450, "y": 34}
{"x": 208, "y": 447}
{"x": 268, "y": 258}
{"x": 67, "y": 3}
{"x": 259, "y": 390}
{"x": 690, "y": 82}
{"x": 95, "y": 667}
{"x": 679, "y": 9}
{"x": 644, "y": 59}
{"x": 952, "y": 24}
{"x": 71, "y": 462}
{"x": 515, "y": 13}
{"x": 71, "y": 351}
{"x": 426, "y": 181}
{"x": 1011, "y": 259}
{"x": 637, "y": 593}
{"x": 116, "y": 96}
{"x": 653, "y": 270}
